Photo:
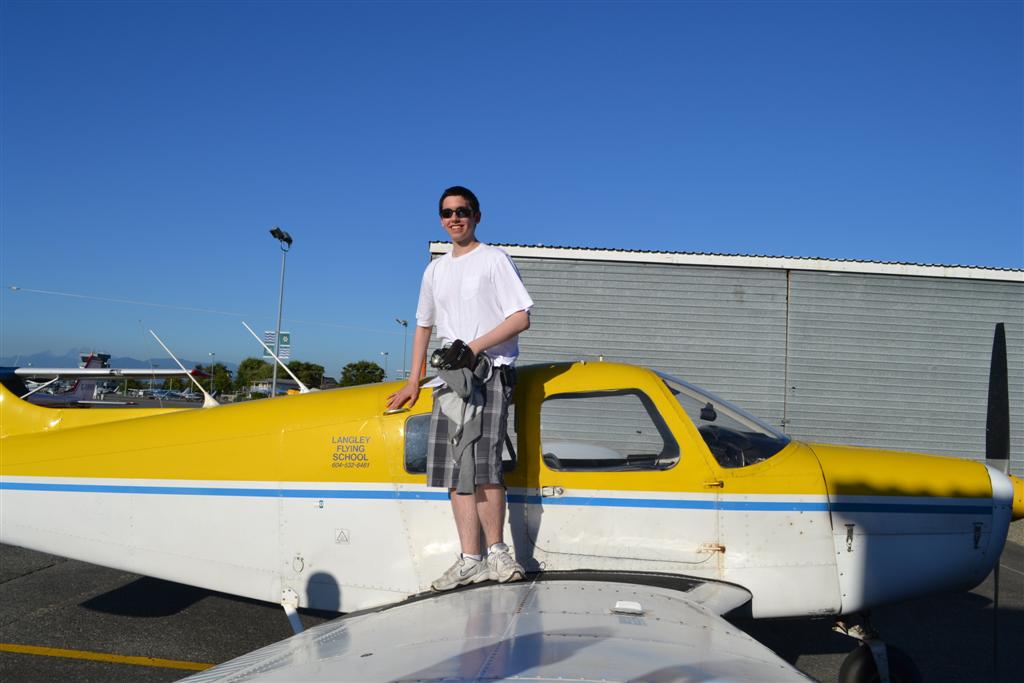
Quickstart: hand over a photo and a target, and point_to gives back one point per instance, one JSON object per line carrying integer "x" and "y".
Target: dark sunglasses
{"x": 460, "y": 211}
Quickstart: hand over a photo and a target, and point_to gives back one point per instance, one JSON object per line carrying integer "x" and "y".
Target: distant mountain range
{"x": 71, "y": 359}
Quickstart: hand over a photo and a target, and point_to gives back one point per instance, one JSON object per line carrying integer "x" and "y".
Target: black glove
{"x": 455, "y": 356}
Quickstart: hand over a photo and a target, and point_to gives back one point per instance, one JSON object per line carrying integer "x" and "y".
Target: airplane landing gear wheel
{"x": 859, "y": 667}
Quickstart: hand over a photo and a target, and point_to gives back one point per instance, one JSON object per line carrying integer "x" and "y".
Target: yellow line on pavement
{"x": 102, "y": 657}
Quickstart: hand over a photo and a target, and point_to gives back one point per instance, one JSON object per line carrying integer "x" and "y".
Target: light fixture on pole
{"x": 385, "y": 354}
{"x": 285, "y": 241}
{"x": 405, "y": 345}
{"x": 213, "y": 357}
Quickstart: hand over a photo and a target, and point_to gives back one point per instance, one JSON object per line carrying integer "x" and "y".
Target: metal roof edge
{"x": 749, "y": 261}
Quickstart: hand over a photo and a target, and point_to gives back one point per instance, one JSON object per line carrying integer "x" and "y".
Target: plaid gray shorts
{"x": 442, "y": 470}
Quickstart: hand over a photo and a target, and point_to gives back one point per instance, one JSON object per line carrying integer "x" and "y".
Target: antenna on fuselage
{"x": 208, "y": 401}
{"x": 302, "y": 387}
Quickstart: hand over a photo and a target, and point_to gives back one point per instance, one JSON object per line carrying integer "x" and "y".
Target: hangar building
{"x": 891, "y": 355}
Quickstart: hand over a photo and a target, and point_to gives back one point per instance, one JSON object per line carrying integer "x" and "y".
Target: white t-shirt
{"x": 470, "y": 295}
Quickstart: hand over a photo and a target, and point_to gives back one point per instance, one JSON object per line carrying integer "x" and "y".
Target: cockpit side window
{"x": 417, "y": 430}
{"x": 605, "y": 431}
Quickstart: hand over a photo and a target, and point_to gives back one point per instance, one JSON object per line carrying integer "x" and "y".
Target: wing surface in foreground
{"x": 540, "y": 631}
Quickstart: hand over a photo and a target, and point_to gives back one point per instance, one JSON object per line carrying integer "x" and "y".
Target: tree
{"x": 221, "y": 377}
{"x": 251, "y": 370}
{"x": 309, "y": 374}
{"x": 361, "y": 372}
{"x": 176, "y": 383}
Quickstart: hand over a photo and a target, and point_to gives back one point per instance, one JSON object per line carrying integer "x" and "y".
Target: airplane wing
{"x": 101, "y": 372}
{"x": 541, "y": 630}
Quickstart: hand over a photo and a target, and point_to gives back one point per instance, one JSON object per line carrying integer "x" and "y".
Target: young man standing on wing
{"x": 477, "y": 300}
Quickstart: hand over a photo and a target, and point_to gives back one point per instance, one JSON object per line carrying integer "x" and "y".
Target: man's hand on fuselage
{"x": 410, "y": 393}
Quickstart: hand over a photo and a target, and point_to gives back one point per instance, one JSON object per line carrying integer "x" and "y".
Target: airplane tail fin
{"x": 85, "y": 389}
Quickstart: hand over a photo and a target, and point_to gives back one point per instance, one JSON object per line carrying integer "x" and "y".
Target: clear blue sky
{"x": 148, "y": 147}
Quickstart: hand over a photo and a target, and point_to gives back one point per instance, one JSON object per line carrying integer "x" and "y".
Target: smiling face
{"x": 461, "y": 221}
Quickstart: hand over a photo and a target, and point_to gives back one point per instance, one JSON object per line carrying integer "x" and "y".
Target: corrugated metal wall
{"x": 722, "y": 328}
{"x": 870, "y": 360}
{"x": 900, "y": 362}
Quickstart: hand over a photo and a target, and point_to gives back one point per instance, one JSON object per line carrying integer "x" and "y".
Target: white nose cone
{"x": 1002, "y": 510}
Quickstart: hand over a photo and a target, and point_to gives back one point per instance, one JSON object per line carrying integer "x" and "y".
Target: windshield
{"x": 735, "y": 437}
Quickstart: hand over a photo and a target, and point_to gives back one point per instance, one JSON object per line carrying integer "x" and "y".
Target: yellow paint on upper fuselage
{"x": 284, "y": 439}
{"x": 334, "y": 436}
{"x": 851, "y": 471}
{"x": 342, "y": 435}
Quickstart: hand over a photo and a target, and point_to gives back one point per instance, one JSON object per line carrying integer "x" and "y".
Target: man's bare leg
{"x": 490, "y": 509}
{"x": 466, "y": 569}
{"x": 467, "y": 521}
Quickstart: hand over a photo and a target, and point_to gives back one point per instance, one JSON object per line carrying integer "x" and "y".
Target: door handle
{"x": 552, "y": 491}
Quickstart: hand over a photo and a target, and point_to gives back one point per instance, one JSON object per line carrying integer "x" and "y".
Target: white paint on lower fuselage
{"x": 900, "y": 547}
{"x": 351, "y": 546}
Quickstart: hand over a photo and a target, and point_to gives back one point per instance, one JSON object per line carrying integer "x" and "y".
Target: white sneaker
{"x": 462, "y": 572}
{"x": 502, "y": 567}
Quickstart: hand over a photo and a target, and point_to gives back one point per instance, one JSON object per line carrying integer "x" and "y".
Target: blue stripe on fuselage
{"x": 665, "y": 503}
{"x": 234, "y": 492}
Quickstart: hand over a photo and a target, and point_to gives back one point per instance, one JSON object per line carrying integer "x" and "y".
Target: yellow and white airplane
{"x": 659, "y": 505}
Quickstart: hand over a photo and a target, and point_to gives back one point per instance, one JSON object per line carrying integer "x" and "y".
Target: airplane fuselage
{"x": 322, "y": 494}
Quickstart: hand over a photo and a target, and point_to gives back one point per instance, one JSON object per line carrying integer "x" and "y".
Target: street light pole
{"x": 405, "y": 345}
{"x": 385, "y": 354}
{"x": 213, "y": 357}
{"x": 285, "y": 241}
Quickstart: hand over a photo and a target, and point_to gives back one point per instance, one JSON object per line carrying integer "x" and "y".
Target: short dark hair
{"x": 460, "y": 191}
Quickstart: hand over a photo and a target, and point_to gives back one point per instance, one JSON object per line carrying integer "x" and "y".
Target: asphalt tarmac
{"x": 66, "y": 620}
